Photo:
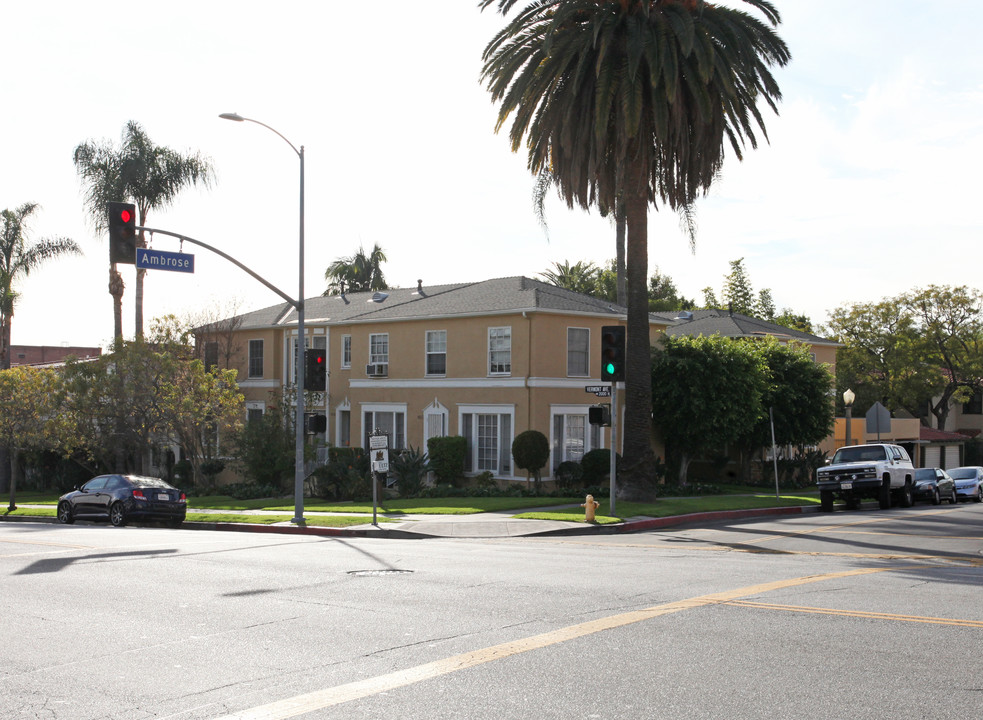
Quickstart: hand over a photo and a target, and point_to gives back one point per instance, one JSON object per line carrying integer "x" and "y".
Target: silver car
{"x": 969, "y": 482}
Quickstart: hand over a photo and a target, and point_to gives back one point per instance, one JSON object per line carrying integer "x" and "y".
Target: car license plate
{"x": 846, "y": 486}
{"x": 162, "y": 496}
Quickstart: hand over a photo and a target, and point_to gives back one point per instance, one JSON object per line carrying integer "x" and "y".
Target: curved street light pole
{"x": 299, "y": 305}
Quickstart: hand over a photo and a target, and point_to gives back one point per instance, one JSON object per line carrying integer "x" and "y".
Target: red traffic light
{"x": 124, "y": 215}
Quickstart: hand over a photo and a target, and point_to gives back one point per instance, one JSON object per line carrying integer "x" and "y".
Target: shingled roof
{"x": 488, "y": 297}
{"x": 735, "y": 325}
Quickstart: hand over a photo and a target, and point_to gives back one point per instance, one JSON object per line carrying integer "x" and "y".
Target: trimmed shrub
{"x": 531, "y": 450}
{"x": 569, "y": 475}
{"x": 447, "y": 456}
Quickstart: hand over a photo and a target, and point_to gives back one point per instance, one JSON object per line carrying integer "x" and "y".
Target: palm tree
{"x": 150, "y": 176}
{"x": 17, "y": 259}
{"x": 357, "y": 273}
{"x": 580, "y": 277}
{"x": 632, "y": 100}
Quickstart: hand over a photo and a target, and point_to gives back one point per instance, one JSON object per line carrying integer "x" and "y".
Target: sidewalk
{"x": 479, "y": 525}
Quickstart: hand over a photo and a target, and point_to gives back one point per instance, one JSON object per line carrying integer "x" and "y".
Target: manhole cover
{"x": 378, "y": 573}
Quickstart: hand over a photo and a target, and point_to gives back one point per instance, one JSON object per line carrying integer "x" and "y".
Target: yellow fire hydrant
{"x": 590, "y": 506}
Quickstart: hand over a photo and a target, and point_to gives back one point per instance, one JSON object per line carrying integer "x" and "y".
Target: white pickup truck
{"x": 856, "y": 472}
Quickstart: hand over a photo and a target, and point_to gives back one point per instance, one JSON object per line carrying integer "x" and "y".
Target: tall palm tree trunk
{"x": 639, "y": 474}
{"x": 116, "y": 290}
{"x": 620, "y": 224}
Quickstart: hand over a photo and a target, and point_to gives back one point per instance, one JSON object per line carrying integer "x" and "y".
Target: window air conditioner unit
{"x": 377, "y": 370}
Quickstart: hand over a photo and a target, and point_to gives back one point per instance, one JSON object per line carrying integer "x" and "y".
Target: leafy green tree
{"x": 884, "y": 356}
{"x": 705, "y": 392}
{"x": 632, "y": 101}
{"x": 151, "y": 176}
{"x": 357, "y": 273}
{"x": 951, "y": 323}
{"x": 797, "y": 390}
{"x": 787, "y": 318}
{"x": 31, "y": 399}
{"x": 765, "y": 307}
{"x": 144, "y": 392}
{"x": 709, "y": 298}
{"x": 663, "y": 295}
{"x": 265, "y": 450}
{"x": 738, "y": 293}
{"x": 18, "y": 258}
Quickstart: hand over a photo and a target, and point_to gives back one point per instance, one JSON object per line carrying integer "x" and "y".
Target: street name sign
{"x": 162, "y": 260}
{"x": 599, "y": 390}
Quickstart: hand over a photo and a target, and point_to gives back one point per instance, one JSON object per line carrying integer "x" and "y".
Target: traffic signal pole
{"x": 613, "y": 467}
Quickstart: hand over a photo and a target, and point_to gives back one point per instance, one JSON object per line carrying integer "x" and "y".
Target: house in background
{"x": 47, "y": 354}
{"x": 483, "y": 360}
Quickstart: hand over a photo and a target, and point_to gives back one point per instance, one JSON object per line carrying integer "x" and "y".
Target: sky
{"x": 867, "y": 187}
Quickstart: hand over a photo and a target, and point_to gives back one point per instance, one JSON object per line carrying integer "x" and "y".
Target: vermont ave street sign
{"x": 161, "y": 260}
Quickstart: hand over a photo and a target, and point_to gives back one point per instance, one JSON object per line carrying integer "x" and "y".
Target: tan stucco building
{"x": 485, "y": 360}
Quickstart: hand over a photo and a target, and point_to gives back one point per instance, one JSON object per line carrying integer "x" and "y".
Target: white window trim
{"x": 488, "y": 366}
{"x": 572, "y": 410}
{"x": 509, "y": 410}
{"x": 346, "y": 347}
{"x": 368, "y": 407}
{"x": 372, "y": 360}
{"x": 427, "y": 353}
{"x": 345, "y": 406}
{"x": 586, "y": 372}
{"x": 249, "y": 358}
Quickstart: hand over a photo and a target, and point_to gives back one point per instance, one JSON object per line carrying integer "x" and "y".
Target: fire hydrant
{"x": 590, "y": 506}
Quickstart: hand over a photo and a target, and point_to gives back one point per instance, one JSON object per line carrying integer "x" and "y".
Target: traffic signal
{"x": 599, "y": 415}
{"x": 122, "y": 233}
{"x": 315, "y": 370}
{"x": 316, "y": 423}
{"x": 613, "y": 353}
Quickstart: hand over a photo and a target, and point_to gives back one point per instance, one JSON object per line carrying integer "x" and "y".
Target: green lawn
{"x": 361, "y": 513}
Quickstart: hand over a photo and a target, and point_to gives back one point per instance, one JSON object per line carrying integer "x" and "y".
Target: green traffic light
{"x": 609, "y": 368}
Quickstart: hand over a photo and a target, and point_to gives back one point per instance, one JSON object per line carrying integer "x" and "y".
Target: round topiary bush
{"x": 596, "y": 465}
{"x": 531, "y": 450}
{"x": 569, "y": 475}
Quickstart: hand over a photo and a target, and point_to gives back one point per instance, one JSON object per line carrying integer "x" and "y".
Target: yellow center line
{"x": 857, "y": 613}
{"x": 328, "y": 697}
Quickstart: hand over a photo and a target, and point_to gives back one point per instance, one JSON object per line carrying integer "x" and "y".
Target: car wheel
{"x": 884, "y": 498}
{"x": 826, "y": 500}
{"x": 65, "y": 514}
{"x": 116, "y": 514}
{"x": 979, "y": 494}
{"x": 936, "y": 498}
{"x": 907, "y": 499}
{"x": 953, "y": 499}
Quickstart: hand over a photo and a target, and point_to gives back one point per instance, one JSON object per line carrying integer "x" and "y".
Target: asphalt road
{"x": 865, "y": 614}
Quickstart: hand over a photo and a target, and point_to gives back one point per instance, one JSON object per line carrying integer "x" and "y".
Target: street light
{"x": 299, "y": 304}
{"x": 848, "y": 397}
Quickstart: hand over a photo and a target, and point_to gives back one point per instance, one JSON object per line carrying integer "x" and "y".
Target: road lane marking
{"x": 328, "y": 697}
{"x": 857, "y": 613}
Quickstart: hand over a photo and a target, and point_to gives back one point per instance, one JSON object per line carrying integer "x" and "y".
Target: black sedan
{"x": 121, "y": 498}
{"x": 934, "y": 484}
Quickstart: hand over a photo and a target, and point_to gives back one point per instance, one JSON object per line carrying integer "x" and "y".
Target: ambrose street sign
{"x": 161, "y": 260}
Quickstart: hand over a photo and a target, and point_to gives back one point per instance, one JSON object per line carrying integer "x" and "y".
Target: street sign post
{"x": 379, "y": 460}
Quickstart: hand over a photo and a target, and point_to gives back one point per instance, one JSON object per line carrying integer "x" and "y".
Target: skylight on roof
{"x": 378, "y": 297}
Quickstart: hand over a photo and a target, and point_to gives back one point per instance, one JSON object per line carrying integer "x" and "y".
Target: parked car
{"x": 121, "y": 498}
{"x": 934, "y": 484}
{"x": 969, "y": 482}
